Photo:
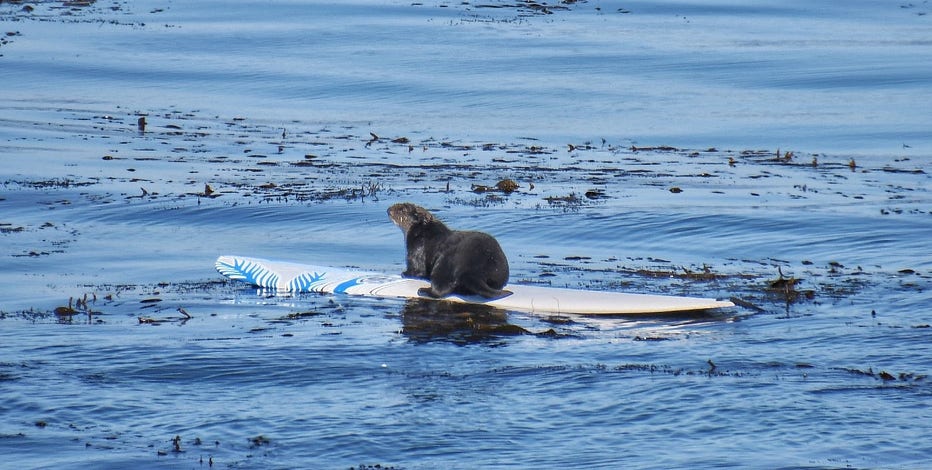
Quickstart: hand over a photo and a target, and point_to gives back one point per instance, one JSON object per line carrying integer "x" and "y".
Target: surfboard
{"x": 289, "y": 277}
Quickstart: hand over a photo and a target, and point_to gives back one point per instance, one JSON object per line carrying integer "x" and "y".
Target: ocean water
{"x": 777, "y": 154}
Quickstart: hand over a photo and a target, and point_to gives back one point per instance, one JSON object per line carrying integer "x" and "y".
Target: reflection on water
{"x": 458, "y": 323}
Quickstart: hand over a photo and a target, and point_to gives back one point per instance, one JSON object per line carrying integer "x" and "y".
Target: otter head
{"x": 406, "y": 215}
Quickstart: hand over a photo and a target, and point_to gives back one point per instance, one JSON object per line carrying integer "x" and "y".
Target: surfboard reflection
{"x": 426, "y": 321}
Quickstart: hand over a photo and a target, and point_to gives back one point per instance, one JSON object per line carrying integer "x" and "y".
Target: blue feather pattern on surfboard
{"x": 254, "y": 272}
{"x": 293, "y": 277}
{"x": 248, "y": 271}
{"x": 304, "y": 282}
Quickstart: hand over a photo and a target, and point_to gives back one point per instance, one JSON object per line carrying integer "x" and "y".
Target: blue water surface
{"x": 698, "y": 148}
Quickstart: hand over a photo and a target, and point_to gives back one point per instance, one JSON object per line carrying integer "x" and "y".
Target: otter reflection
{"x": 429, "y": 320}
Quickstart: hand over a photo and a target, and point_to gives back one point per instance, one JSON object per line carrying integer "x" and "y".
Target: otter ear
{"x": 422, "y": 216}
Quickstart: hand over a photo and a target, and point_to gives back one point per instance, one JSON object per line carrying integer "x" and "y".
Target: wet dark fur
{"x": 468, "y": 263}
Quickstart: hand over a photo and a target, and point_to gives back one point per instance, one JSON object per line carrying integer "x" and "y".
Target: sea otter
{"x": 461, "y": 262}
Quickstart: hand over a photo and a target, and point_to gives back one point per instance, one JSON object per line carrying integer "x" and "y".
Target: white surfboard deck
{"x": 295, "y": 277}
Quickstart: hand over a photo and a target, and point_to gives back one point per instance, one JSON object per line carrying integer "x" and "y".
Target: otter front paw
{"x": 427, "y": 292}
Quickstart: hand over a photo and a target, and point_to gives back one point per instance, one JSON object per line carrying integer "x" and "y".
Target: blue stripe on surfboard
{"x": 341, "y": 288}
